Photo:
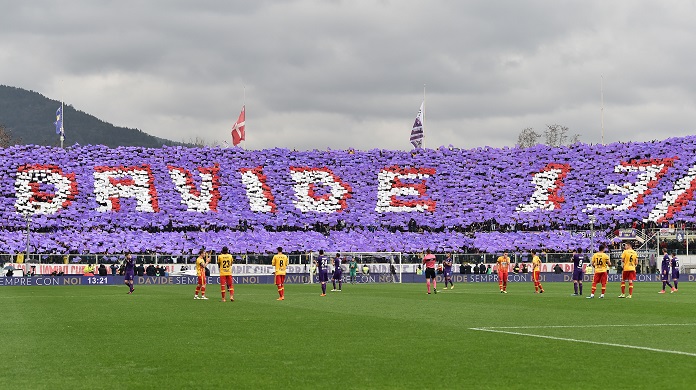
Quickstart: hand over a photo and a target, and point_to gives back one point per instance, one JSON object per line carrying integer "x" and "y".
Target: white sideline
{"x": 499, "y": 330}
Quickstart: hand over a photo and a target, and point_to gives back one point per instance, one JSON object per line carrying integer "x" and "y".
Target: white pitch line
{"x": 586, "y": 341}
{"x": 576, "y": 326}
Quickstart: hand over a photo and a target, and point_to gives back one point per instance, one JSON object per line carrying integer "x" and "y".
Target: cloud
{"x": 336, "y": 74}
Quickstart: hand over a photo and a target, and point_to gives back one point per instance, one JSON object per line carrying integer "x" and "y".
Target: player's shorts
{"x": 664, "y": 276}
{"x": 628, "y": 275}
{"x": 675, "y": 274}
{"x": 430, "y": 273}
{"x": 280, "y": 279}
{"x": 128, "y": 276}
{"x": 226, "y": 280}
{"x": 503, "y": 276}
{"x": 448, "y": 273}
{"x": 202, "y": 280}
{"x": 536, "y": 275}
{"x": 577, "y": 275}
{"x": 600, "y": 278}
{"x": 352, "y": 273}
{"x": 337, "y": 275}
{"x": 323, "y": 276}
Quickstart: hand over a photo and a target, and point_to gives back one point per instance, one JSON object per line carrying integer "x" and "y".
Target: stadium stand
{"x": 94, "y": 199}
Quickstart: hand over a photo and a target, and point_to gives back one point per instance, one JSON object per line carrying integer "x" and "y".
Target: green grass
{"x": 367, "y": 336}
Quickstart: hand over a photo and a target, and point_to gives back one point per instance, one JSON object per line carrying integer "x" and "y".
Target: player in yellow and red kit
{"x": 201, "y": 262}
{"x": 601, "y": 263}
{"x": 280, "y": 262}
{"x": 630, "y": 260}
{"x": 503, "y": 266}
{"x": 536, "y": 273}
{"x": 225, "y": 261}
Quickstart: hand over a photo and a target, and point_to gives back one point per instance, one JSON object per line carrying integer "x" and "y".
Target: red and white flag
{"x": 238, "y": 134}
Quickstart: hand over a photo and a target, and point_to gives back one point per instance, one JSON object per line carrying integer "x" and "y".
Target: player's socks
{"x": 435, "y": 285}
{"x": 623, "y": 288}
{"x": 340, "y": 285}
{"x": 675, "y": 285}
{"x": 334, "y": 285}
{"x": 427, "y": 283}
{"x": 630, "y": 288}
{"x": 575, "y": 288}
{"x": 323, "y": 288}
{"x": 580, "y": 286}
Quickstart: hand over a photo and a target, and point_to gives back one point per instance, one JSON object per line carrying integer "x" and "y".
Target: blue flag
{"x": 59, "y": 120}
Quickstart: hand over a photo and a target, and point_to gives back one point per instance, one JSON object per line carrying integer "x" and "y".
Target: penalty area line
{"x": 584, "y": 341}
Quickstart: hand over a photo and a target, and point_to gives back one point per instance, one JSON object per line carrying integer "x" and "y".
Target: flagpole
{"x": 423, "y": 115}
{"x": 62, "y": 131}
{"x": 601, "y": 110}
{"x": 62, "y": 115}
{"x": 244, "y": 107}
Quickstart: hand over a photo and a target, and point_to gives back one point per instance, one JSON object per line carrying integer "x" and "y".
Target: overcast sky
{"x": 342, "y": 74}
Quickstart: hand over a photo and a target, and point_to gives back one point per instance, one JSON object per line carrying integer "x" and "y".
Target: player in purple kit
{"x": 674, "y": 263}
{"x": 322, "y": 264}
{"x": 338, "y": 272}
{"x": 130, "y": 271}
{"x": 578, "y": 260}
{"x": 666, "y": 263}
{"x": 447, "y": 271}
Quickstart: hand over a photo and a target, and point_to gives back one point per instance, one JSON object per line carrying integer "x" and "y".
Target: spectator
{"x": 140, "y": 270}
{"x": 102, "y": 270}
{"x": 557, "y": 269}
{"x": 638, "y": 268}
{"x": 366, "y": 269}
{"x": 516, "y": 268}
{"x": 524, "y": 268}
{"x": 489, "y": 270}
{"x": 150, "y": 270}
{"x": 465, "y": 268}
{"x": 419, "y": 270}
{"x": 114, "y": 269}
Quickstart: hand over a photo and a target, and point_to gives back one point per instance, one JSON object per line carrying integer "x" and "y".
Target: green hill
{"x": 28, "y": 116}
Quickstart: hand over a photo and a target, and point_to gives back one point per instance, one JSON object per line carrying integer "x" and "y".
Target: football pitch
{"x": 367, "y": 336}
